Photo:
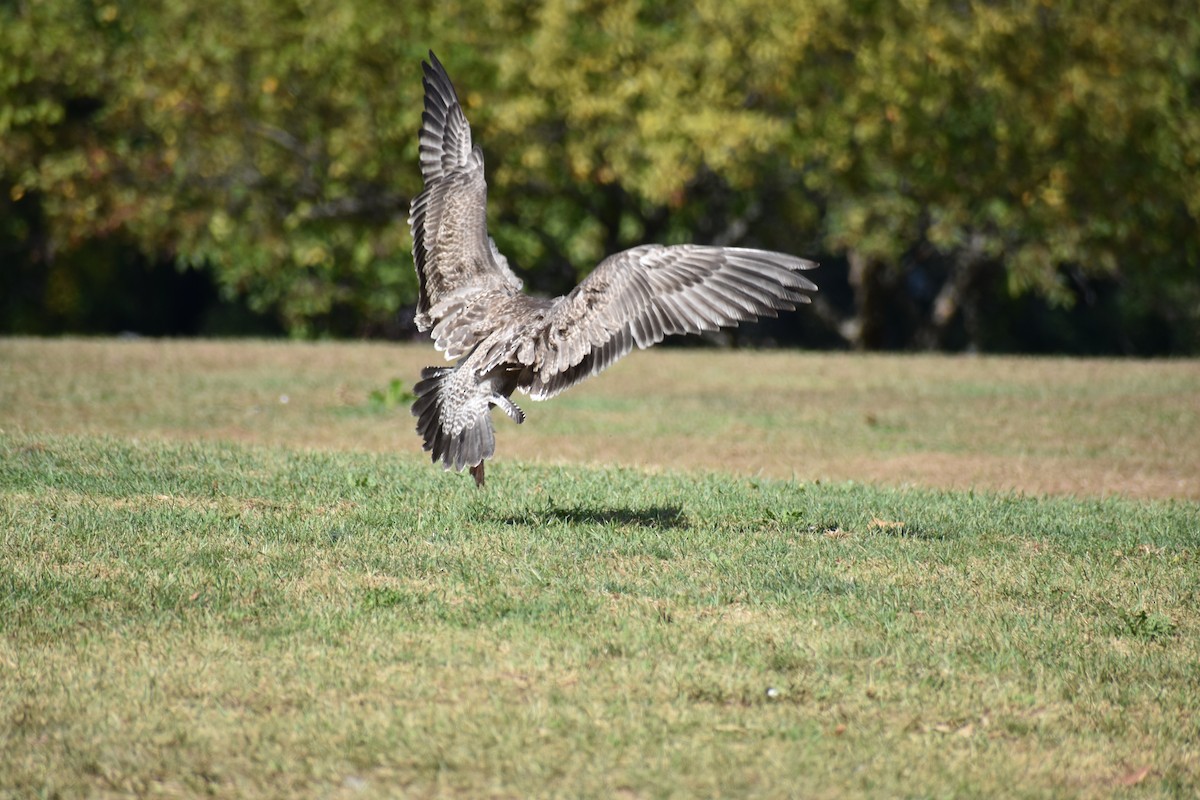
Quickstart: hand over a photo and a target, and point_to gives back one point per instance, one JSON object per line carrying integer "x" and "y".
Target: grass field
{"x": 207, "y": 591}
{"x": 1085, "y": 427}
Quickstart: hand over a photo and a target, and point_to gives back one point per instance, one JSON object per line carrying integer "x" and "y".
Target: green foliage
{"x": 1153, "y": 626}
{"x": 262, "y": 141}
{"x": 1038, "y": 136}
{"x": 396, "y": 395}
{"x": 275, "y": 144}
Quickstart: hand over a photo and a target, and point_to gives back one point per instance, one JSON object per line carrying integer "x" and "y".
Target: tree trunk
{"x": 869, "y": 280}
{"x": 963, "y": 296}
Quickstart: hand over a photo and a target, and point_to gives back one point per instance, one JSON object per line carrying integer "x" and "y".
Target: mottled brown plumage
{"x": 505, "y": 340}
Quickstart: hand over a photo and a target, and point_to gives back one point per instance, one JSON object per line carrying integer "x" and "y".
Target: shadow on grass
{"x": 663, "y": 517}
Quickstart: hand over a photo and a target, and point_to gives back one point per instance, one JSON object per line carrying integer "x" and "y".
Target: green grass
{"x": 206, "y": 618}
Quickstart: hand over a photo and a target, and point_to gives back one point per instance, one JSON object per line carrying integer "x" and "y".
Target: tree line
{"x": 1021, "y": 175}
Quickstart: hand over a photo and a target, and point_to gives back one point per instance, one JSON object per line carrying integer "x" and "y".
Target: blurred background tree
{"x": 1016, "y": 176}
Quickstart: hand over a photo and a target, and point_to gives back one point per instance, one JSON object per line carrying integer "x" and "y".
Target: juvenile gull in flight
{"x": 505, "y": 340}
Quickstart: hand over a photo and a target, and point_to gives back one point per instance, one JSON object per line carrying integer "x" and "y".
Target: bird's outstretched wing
{"x": 638, "y": 296}
{"x": 460, "y": 271}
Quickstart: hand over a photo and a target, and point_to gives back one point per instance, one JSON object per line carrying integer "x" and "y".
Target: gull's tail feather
{"x": 459, "y": 434}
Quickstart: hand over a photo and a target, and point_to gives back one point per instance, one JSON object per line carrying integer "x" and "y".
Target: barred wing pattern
{"x": 642, "y": 295}
{"x": 459, "y": 268}
{"x": 506, "y": 341}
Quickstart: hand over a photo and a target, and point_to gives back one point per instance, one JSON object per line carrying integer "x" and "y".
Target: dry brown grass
{"x": 1090, "y": 427}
